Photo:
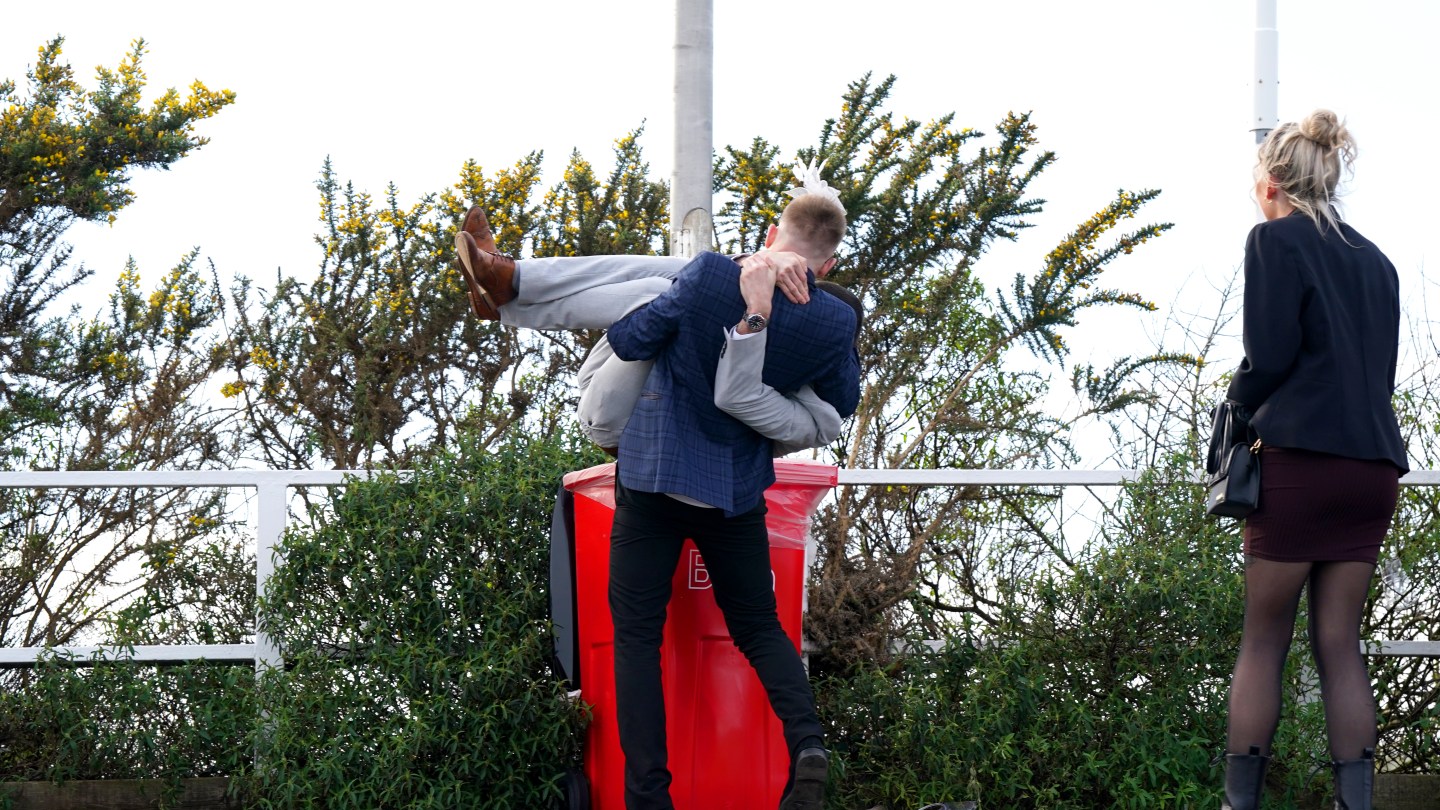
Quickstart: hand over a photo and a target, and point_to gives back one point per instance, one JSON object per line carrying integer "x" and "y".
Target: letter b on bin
{"x": 726, "y": 745}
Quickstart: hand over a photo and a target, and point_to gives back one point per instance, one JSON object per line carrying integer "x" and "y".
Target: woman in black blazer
{"x": 1322, "y": 320}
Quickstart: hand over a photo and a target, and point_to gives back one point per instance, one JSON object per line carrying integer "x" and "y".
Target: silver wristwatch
{"x": 755, "y": 322}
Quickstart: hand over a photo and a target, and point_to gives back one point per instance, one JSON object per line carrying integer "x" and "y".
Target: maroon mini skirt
{"x": 1316, "y": 507}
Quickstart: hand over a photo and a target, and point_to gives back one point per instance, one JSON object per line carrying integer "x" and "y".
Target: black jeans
{"x": 645, "y": 543}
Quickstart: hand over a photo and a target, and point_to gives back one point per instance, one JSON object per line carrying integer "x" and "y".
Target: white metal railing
{"x": 272, "y": 492}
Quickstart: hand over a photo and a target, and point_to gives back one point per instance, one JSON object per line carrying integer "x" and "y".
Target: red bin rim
{"x": 788, "y": 472}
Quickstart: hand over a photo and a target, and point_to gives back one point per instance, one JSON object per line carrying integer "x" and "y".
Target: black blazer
{"x": 1322, "y": 331}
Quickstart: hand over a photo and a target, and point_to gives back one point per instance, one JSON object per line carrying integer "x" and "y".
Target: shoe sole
{"x": 808, "y": 791}
{"x": 480, "y": 301}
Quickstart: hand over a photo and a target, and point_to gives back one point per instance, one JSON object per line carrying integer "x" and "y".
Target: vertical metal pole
{"x": 270, "y": 505}
{"x": 1267, "y": 71}
{"x": 691, "y": 230}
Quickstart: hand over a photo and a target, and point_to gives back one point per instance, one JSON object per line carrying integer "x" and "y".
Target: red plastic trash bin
{"x": 727, "y": 749}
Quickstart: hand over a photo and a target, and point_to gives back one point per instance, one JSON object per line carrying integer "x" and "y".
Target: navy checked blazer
{"x": 677, "y": 441}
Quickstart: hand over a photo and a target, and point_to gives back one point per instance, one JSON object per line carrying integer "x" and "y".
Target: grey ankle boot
{"x": 1354, "y": 781}
{"x": 1245, "y": 780}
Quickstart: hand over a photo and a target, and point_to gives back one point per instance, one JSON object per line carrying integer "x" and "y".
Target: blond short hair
{"x": 1305, "y": 160}
{"x": 815, "y": 223}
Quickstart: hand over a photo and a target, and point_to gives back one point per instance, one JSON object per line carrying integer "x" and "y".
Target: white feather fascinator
{"x": 808, "y": 176}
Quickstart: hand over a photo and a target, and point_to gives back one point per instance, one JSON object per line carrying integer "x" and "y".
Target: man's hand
{"x": 789, "y": 273}
{"x": 757, "y": 283}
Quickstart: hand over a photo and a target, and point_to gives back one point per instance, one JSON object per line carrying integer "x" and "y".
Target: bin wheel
{"x": 577, "y": 790}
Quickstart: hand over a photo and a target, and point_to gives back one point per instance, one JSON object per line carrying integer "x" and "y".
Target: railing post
{"x": 270, "y": 522}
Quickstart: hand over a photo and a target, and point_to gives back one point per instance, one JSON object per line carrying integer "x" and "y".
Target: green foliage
{"x": 1053, "y": 298}
{"x": 62, "y": 146}
{"x": 412, "y": 621}
{"x": 65, "y": 154}
{"x": 118, "y": 391}
{"x": 34, "y": 360}
{"x": 628, "y": 214}
{"x": 127, "y": 721}
{"x": 942, "y": 386}
{"x": 1100, "y": 685}
{"x": 198, "y": 589}
{"x": 377, "y": 355}
{"x": 1083, "y": 672}
{"x": 1166, "y": 430}
{"x": 997, "y": 726}
{"x": 336, "y": 369}
{"x": 130, "y": 399}
{"x": 1403, "y": 600}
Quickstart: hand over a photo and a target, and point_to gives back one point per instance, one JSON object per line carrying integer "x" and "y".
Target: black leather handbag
{"x": 1233, "y": 463}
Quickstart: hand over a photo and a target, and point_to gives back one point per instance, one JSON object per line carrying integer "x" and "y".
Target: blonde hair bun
{"x": 1306, "y": 160}
{"x": 1326, "y": 129}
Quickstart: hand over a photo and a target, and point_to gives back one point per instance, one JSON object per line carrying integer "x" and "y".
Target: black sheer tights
{"x": 1337, "y": 598}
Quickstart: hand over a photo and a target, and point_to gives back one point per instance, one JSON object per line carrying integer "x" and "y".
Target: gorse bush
{"x": 412, "y": 617}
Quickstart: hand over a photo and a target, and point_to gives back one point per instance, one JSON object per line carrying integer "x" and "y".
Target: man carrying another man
{"x": 687, "y": 469}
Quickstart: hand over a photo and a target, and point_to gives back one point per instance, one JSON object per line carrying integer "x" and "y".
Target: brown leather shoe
{"x": 488, "y": 277}
{"x": 479, "y": 227}
{"x": 480, "y": 301}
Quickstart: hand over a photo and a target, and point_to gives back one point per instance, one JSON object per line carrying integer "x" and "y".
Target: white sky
{"x": 1129, "y": 93}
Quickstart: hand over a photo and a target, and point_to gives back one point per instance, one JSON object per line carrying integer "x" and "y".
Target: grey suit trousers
{"x": 592, "y": 292}
{"x": 586, "y": 292}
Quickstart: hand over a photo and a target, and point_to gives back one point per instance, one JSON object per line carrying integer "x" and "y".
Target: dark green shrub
{"x": 1103, "y": 686}
{"x": 412, "y": 618}
{"x": 126, "y": 721}
{"x": 1403, "y": 607}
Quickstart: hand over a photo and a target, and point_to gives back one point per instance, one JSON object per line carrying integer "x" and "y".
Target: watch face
{"x": 755, "y": 322}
